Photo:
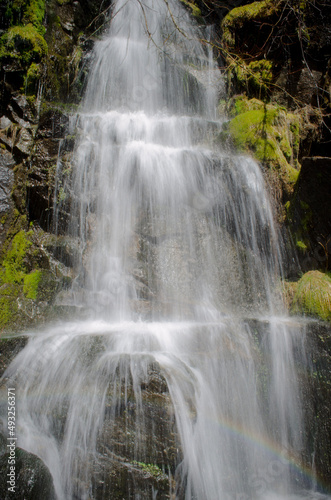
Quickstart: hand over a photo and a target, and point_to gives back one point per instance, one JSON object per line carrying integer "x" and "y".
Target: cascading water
{"x": 179, "y": 257}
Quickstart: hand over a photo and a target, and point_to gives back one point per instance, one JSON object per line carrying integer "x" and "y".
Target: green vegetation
{"x": 23, "y": 12}
{"x": 14, "y": 266}
{"x": 15, "y": 279}
{"x": 30, "y": 284}
{"x": 196, "y": 12}
{"x": 267, "y": 131}
{"x": 312, "y": 295}
{"x": 236, "y": 18}
{"x": 254, "y": 77}
{"x": 151, "y": 469}
{"x": 24, "y": 44}
{"x": 32, "y": 77}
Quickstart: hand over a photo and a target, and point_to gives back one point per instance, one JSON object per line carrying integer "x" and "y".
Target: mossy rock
{"x": 269, "y": 133}
{"x": 27, "y": 287}
{"x": 26, "y": 11}
{"x": 194, "y": 9}
{"x": 254, "y": 77}
{"x": 312, "y": 295}
{"x": 238, "y": 16}
{"x": 23, "y": 45}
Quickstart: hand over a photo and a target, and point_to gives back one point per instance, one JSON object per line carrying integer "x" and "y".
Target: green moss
{"x": 151, "y": 469}
{"x": 196, "y": 12}
{"x": 24, "y": 44}
{"x": 301, "y": 245}
{"x": 313, "y": 295}
{"x": 14, "y": 266}
{"x": 35, "y": 13}
{"x": 5, "y": 311}
{"x": 32, "y": 77}
{"x": 265, "y": 130}
{"x": 23, "y": 12}
{"x": 235, "y": 19}
{"x": 255, "y": 77}
{"x": 30, "y": 285}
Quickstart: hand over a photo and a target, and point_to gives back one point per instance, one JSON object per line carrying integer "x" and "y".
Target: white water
{"x": 178, "y": 249}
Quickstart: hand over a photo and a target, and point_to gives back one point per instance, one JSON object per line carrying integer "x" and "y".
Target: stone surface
{"x": 32, "y": 478}
{"x": 310, "y": 213}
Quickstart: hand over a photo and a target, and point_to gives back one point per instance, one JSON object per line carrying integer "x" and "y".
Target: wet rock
{"x": 139, "y": 449}
{"x": 317, "y": 399}
{"x": 32, "y": 478}
{"x": 6, "y": 180}
{"x": 6, "y": 185}
{"x": 24, "y": 142}
{"x": 9, "y": 348}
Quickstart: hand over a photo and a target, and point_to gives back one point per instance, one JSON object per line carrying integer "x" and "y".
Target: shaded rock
{"x": 309, "y": 214}
{"x": 6, "y": 180}
{"x": 304, "y": 84}
{"x": 9, "y": 348}
{"x": 24, "y": 142}
{"x": 6, "y": 185}
{"x": 32, "y": 478}
{"x": 317, "y": 400}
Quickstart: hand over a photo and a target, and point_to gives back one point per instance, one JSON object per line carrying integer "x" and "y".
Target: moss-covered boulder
{"x": 311, "y": 295}
{"x": 270, "y": 133}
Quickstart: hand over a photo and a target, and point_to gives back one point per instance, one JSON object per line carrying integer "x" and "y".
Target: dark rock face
{"x": 311, "y": 212}
{"x": 6, "y": 184}
{"x": 317, "y": 400}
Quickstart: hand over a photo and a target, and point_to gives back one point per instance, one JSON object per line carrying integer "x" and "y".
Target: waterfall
{"x": 177, "y": 281}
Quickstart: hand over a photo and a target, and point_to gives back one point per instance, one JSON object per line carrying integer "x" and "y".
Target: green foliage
{"x": 313, "y": 295}
{"x": 32, "y": 77}
{"x": 301, "y": 245}
{"x": 35, "y": 13}
{"x": 6, "y": 311}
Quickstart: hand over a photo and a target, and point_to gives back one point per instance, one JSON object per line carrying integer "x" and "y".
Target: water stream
{"x": 179, "y": 259}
